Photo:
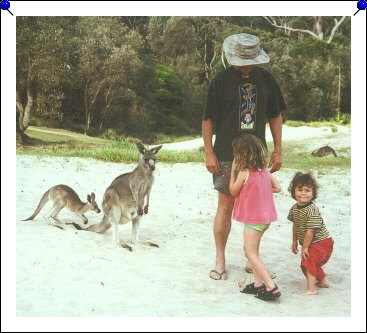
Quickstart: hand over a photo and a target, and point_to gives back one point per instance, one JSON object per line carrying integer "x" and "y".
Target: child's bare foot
{"x": 322, "y": 284}
{"x": 309, "y": 293}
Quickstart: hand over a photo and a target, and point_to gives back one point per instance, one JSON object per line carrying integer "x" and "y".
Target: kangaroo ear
{"x": 155, "y": 150}
{"x": 141, "y": 148}
{"x": 93, "y": 196}
{"x": 89, "y": 198}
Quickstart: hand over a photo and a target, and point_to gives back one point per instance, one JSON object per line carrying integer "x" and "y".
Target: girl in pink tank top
{"x": 252, "y": 186}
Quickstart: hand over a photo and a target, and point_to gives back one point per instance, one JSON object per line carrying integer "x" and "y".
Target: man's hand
{"x": 211, "y": 162}
{"x": 275, "y": 162}
{"x": 304, "y": 254}
{"x": 294, "y": 247}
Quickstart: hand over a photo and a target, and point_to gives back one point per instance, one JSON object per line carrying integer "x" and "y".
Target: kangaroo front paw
{"x": 140, "y": 211}
{"x": 146, "y": 209}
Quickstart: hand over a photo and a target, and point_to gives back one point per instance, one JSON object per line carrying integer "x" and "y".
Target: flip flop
{"x": 249, "y": 271}
{"x": 216, "y": 272}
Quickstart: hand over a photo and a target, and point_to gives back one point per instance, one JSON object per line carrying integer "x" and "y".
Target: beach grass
{"x": 63, "y": 143}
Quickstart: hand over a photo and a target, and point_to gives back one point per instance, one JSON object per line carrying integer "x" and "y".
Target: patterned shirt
{"x": 308, "y": 217}
{"x": 240, "y": 104}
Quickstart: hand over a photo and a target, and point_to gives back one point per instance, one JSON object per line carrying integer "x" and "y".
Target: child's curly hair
{"x": 249, "y": 152}
{"x": 300, "y": 179}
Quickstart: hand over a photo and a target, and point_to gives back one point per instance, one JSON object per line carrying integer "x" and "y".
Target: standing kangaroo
{"x": 124, "y": 199}
{"x": 64, "y": 196}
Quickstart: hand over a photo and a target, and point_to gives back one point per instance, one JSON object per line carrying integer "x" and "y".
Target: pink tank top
{"x": 255, "y": 202}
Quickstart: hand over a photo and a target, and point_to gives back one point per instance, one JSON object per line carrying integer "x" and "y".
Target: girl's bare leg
{"x": 252, "y": 244}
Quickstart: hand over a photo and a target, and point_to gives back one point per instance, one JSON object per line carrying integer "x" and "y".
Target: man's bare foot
{"x": 218, "y": 274}
{"x": 322, "y": 284}
{"x": 309, "y": 293}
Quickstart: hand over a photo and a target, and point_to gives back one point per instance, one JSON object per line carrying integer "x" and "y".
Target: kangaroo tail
{"x": 100, "y": 227}
{"x": 333, "y": 151}
{"x": 43, "y": 201}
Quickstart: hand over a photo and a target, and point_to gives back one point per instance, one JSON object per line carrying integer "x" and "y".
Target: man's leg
{"x": 222, "y": 227}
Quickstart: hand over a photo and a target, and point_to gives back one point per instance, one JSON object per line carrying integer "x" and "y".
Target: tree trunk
{"x": 87, "y": 125}
{"x": 339, "y": 85}
{"x": 101, "y": 127}
{"x": 24, "y": 113}
{"x": 318, "y": 27}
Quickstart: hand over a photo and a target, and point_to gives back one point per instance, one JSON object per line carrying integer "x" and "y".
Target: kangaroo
{"x": 323, "y": 151}
{"x": 64, "y": 196}
{"x": 124, "y": 199}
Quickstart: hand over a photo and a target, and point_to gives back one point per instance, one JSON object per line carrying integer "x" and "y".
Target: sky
{"x": 179, "y": 8}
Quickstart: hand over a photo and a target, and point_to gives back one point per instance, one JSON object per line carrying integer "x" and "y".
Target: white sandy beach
{"x": 71, "y": 273}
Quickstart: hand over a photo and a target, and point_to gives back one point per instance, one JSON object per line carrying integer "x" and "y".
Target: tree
{"x": 108, "y": 59}
{"x": 318, "y": 29}
{"x": 40, "y": 66}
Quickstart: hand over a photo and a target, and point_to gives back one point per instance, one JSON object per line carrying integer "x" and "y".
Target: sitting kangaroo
{"x": 64, "y": 196}
{"x": 323, "y": 151}
{"x": 124, "y": 199}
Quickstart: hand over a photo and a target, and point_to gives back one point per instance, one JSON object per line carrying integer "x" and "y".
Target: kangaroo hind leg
{"x": 135, "y": 229}
{"x": 51, "y": 215}
{"x": 135, "y": 232}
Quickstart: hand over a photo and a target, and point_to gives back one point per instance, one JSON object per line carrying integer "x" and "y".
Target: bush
{"x": 111, "y": 134}
{"x": 343, "y": 119}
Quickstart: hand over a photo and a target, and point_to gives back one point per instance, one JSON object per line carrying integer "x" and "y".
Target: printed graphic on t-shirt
{"x": 247, "y": 106}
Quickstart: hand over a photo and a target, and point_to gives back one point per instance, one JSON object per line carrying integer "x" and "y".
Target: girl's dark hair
{"x": 249, "y": 152}
{"x": 300, "y": 179}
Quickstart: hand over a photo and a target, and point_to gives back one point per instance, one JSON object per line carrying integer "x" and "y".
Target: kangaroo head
{"x": 148, "y": 159}
{"x": 92, "y": 204}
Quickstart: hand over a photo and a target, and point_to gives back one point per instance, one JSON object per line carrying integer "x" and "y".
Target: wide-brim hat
{"x": 244, "y": 50}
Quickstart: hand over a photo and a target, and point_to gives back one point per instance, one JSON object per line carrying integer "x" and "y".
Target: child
{"x": 310, "y": 231}
{"x": 253, "y": 187}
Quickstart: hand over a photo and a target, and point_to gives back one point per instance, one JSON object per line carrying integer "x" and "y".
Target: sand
{"x": 71, "y": 273}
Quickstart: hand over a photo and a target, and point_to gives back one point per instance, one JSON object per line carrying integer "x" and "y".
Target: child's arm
{"x": 294, "y": 247}
{"x": 235, "y": 184}
{"x": 275, "y": 185}
{"x": 307, "y": 242}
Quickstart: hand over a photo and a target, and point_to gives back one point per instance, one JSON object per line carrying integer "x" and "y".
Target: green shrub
{"x": 111, "y": 134}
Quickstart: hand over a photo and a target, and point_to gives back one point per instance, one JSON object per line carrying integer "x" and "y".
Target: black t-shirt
{"x": 238, "y": 105}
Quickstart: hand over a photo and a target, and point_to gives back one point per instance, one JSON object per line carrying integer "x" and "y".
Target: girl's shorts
{"x": 258, "y": 227}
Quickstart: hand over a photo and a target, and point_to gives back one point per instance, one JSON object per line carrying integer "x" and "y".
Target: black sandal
{"x": 251, "y": 289}
{"x": 269, "y": 295}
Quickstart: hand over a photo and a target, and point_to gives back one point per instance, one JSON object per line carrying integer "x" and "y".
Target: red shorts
{"x": 318, "y": 255}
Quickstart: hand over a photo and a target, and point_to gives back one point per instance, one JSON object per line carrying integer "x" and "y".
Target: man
{"x": 240, "y": 100}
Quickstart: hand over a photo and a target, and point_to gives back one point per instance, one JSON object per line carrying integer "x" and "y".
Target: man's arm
{"x": 275, "y": 185}
{"x": 276, "y": 131}
{"x": 211, "y": 159}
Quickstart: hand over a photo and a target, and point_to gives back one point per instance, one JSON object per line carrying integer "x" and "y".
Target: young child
{"x": 310, "y": 231}
{"x": 252, "y": 186}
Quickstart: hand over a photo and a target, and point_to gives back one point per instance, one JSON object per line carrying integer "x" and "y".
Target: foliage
{"x": 139, "y": 76}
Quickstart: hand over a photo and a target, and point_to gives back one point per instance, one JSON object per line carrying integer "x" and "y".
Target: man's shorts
{"x": 221, "y": 180}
